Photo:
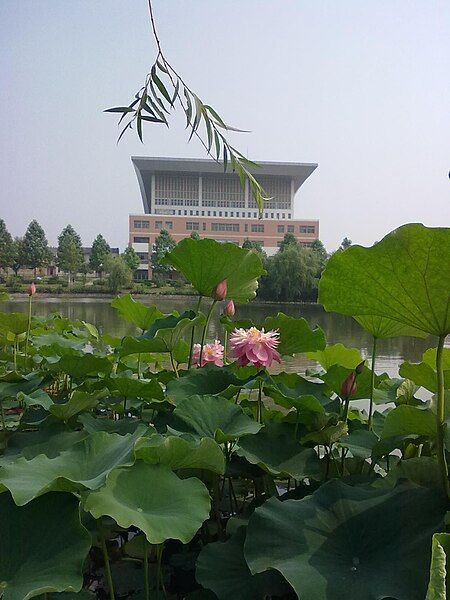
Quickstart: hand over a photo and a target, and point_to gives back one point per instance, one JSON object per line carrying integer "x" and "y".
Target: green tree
{"x": 164, "y": 243}
{"x": 84, "y": 270}
{"x": 195, "y": 235}
{"x": 100, "y": 255}
{"x": 346, "y": 243}
{"x": 120, "y": 275}
{"x": 321, "y": 253}
{"x": 35, "y": 247}
{"x": 6, "y": 246}
{"x": 131, "y": 259}
{"x": 17, "y": 255}
{"x": 70, "y": 252}
{"x": 288, "y": 240}
{"x": 292, "y": 275}
{"x": 250, "y": 245}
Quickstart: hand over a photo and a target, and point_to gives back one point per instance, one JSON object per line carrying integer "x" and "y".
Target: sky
{"x": 361, "y": 88}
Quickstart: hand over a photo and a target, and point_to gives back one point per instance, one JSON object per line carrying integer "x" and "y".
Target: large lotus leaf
{"x": 214, "y": 417}
{"x": 206, "y": 262}
{"x": 78, "y": 402}
{"x": 92, "y": 424}
{"x": 360, "y": 443}
{"x": 348, "y": 543}
{"x": 163, "y": 335}
{"x": 135, "y": 388}
{"x": 295, "y": 334}
{"x": 439, "y": 586}
{"x": 405, "y": 277}
{"x": 209, "y": 380}
{"x": 49, "y": 440}
{"x": 275, "y": 450}
{"x": 137, "y": 312}
{"x": 82, "y": 366}
{"x": 42, "y": 546}
{"x": 292, "y": 390}
{"x": 15, "y": 323}
{"x": 58, "y": 344}
{"x": 336, "y": 375}
{"x": 424, "y": 373}
{"x": 328, "y": 435}
{"x": 409, "y": 420}
{"x": 383, "y": 327}
{"x": 337, "y": 354}
{"x": 154, "y": 499}
{"x": 421, "y": 470}
{"x": 180, "y": 453}
{"x": 84, "y": 465}
{"x": 36, "y": 398}
{"x": 221, "y": 567}
{"x": 12, "y": 383}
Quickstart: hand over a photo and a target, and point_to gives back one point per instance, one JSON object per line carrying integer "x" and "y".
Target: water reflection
{"x": 337, "y": 328}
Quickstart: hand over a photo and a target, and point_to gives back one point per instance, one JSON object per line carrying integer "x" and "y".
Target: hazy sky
{"x": 360, "y": 87}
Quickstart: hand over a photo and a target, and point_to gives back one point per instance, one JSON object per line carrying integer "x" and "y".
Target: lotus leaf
{"x": 154, "y": 499}
{"x": 337, "y": 354}
{"x": 348, "y": 543}
{"x": 42, "y": 546}
{"x": 438, "y": 588}
{"x": 82, "y": 366}
{"x": 409, "y": 420}
{"x": 295, "y": 334}
{"x": 136, "y": 312}
{"x": 383, "y": 327}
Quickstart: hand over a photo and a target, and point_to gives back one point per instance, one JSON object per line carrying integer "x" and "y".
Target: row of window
{"x": 158, "y": 225}
{"x": 273, "y": 204}
{"x": 255, "y": 227}
{"x": 146, "y": 240}
{"x": 291, "y": 229}
{"x": 220, "y": 213}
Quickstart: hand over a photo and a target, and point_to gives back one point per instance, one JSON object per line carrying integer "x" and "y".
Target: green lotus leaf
{"x": 336, "y": 375}
{"x": 398, "y": 391}
{"x": 424, "y": 373}
{"x": 328, "y": 435}
{"x": 85, "y": 465}
{"x": 206, "y": 262}
{"x": 180, "y": 453}
{"x": 348, "y": 543}
{"x": 383, "y": 327}
{"x": 15, "y": 323}
{"x": 360, "y": 443}
{"x": 438, "y": 586}
{"x": 12, "y": 383}
{"x": 423, "y": 470}
{"x": 295, "y": 334}
{"x": 78, "y": 402}
{"x": 221, "y": 567}
{"x": 404, "y": 277}
{"x": 163, "y": 335}
{"x": 42, "y": 546}
{"x": 128, "y": 387}
{"x": 83, "y": 595}
{"x": 58, "y": 344}
{"x": 82, "y": 366}
{"x": 92, "y": 424}
{"x": 209, "y": 380}
{"x": 337, "y": 354}
{"x": 136, "y": 312}
{"x": 409, "y": 420}
{"x": 154, "y": 499}
{"x": 293, "y": 391}
{"x": 275, "y": 450}
{"x": 214, "y": 417}
{"x": 49, "y": 440}
{"x": 36, "y": 398}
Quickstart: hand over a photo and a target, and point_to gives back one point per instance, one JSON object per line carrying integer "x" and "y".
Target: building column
{"x": 200, "y": 191}
{"x": 152, "y": 195}
{"x": 246, "y": 193}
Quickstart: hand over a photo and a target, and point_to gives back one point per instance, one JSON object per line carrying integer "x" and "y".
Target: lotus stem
{"x": 30, "y": 297}
{"x": 440, "y": 416}
{"x": 260, "y": 412}
{"x": 205, "y": 330}
{"x": 174, "y": 367}
{"x": 146, "y": 581}
{"x": 372, "y": 380}
{"x": 106, "y": 562}
{"x": 193, "y": 334}
{"x": 225, "y": 345}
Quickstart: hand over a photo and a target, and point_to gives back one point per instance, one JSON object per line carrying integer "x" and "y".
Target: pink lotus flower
{"x": 348, "y": 387}
{"x": 229, "y": 309}
{"x": 212, "y": 353}
{"x": 32, "y": 289}
{"x": 255, "y": 347}
{"x": 220, "y": 291}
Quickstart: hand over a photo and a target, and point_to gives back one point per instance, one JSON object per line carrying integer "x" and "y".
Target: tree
{"x": 292, "y": 275}
{"x": 120, "y": 275}
{"x": 70, "y": 252}
{"x": 195, "y": 235}
{"x": 100, "y": 255}
{"x": 6, "y": 246}
{"x": 164, "y": 243}
{"x": 321, "y": 252}
{"x": 250, "y": 245}
{"x": 35, "y": 247}
{"x": 288, "y": 240}
{"x": 84, "y": 270}
{"x": 17, "y": 255}
{"x": 131, "y": 259}
{"x": 346, "y": 243}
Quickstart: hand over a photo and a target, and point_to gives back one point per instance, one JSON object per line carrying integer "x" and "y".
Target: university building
{"x": 184, "y": 195}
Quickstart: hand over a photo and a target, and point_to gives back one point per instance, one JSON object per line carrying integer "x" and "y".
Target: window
{"x": 143, "y": 256}
{"x": 192, "y": 226}
{"x": 257, "y": 228}
{"x": 307, "y": 229}
{"x": 141, "y": 239}
{"x": 169, "y": 224}
{"x": 246, "y": 227}
{"x": 280, "y": 228}
{"x": 225, "y": 227}
{"x": 266, "y": 215}
{"x": 204, "y": 226}
{"x": 141, "y": 274}
{"x": 271, "y": 215}
{"x": 290, "y": 228}
{"x": 158, "y": 224}
{"x": 141, "y": 225}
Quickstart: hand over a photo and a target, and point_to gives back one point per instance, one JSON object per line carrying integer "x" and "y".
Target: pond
{"x": 338, "y": 328}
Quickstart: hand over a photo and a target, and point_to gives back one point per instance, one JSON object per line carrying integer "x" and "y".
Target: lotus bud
{"x": 229, "y": 309}
{"x": 220, "y": 291}
{"x": 360, "y": 368}
{"x": 348, "y": 385}
{"x": 32, "y": 289}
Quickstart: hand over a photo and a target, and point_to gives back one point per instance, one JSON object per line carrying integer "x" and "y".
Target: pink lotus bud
{"x": 220, "y": 291}
{"x": 229, "y": 309}
{"x": 348, "y": 386}
{"x": 32, "y": 289}
{"x": 360, "y": 368}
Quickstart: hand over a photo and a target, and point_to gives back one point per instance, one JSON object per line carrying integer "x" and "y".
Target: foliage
{"x": 130, "y": 258}
{"x": 70, "y": 252}
{"x": 256, "y": 246}
{"x": 100, "y": 255}
{"x": 35, "y": 248}
{"x": 346, "y": 243}
{"x": 120, "y": 275}
{"x": 6, "y": 246}
{"x": 122, "y": 468}
{"x": 289, "y": 240}
{"x": 164, "y": 243}
{"x": 17, "y": 255}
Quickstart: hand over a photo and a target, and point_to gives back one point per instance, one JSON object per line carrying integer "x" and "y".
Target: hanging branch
{"x": 163, "y": 89}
